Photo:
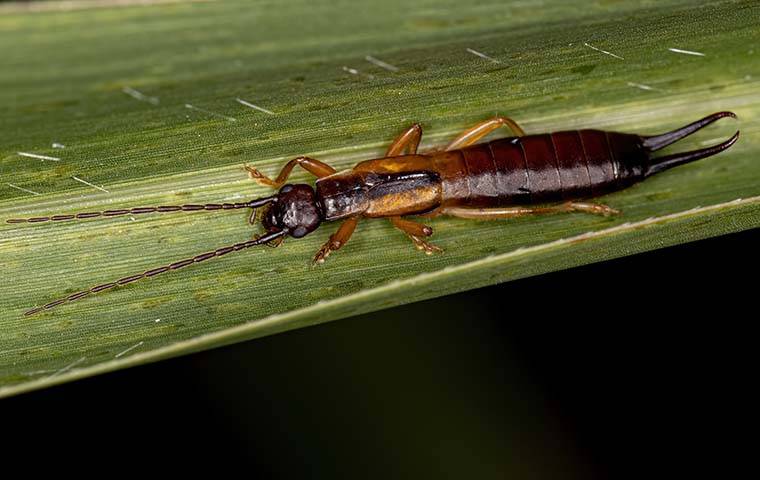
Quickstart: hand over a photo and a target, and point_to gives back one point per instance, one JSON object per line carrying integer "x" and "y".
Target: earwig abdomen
{"x": 615, "y": 160}
{"x": 548, "y": 167}
{"x": 571, "y": 163}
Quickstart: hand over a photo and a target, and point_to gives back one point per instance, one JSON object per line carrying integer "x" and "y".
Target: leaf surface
{"x": 146, "y": 102}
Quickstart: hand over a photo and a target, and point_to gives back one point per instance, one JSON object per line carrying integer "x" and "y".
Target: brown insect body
{"x": 502, "y": 178}
{"x": 505, "y": 172}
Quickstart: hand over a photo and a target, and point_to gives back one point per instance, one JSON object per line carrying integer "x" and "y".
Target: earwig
{"x": 504, "y": 178}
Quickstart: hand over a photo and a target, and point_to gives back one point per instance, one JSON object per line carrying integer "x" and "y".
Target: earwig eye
{"x": 286, "y": 188}
{"x": 299, "y": 232}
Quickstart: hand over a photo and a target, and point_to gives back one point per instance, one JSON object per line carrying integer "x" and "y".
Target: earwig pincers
{"x": 504, "y": 178}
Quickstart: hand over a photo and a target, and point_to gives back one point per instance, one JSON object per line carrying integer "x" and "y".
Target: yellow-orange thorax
{"x": 383, "y": 187}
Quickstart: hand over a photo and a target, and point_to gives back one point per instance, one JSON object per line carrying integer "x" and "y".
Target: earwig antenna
{"x": 138, "y": 210}
{"x": 155, "y": 271}
{"x": 661, "y": 141}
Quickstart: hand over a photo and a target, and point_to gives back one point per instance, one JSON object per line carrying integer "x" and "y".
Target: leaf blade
{"x": 147, "y": 154}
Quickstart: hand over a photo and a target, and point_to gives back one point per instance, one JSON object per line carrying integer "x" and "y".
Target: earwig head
{"x": 294, "y": 211}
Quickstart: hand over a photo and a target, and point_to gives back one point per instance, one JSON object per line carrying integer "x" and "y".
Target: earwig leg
{"x": 311, "y": 165}
{"x": 475, "y": 133}
{"x": 409, "y": 141}
{"x": 432, "y": 214}
{"x": 253, "y": 216}
{"x": 595, "y": 208}
{"x": 415, "y": 231}
{"x": 424, "y": 246}
{"x": 513, "y": 212}
{"x": 337, "y": 239}
{"x": 410, "y": 227}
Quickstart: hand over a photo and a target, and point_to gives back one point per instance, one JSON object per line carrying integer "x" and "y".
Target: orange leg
{"x": 416, "y": 231}
{"x": 311, "y": 165}
{"x": 472, "y": 135}
{"x": 409, "y": 141}
{"x": 337, "y": 239}
{"x": 512, "y": 212}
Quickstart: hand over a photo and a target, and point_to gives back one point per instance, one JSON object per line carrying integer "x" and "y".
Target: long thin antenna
{"x": 138, "y": 210}
{"x": 155, "y": 271}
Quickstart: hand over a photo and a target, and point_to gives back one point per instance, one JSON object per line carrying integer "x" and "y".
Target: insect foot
{"x": 259, "y": 177}
{"x": 323, "y": 253}
{"x": 424, "y": 246}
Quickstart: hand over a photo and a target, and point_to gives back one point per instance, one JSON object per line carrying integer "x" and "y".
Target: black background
{"x": 629, "y": 368}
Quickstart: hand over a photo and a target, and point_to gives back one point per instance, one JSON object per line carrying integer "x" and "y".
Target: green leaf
{"x": 113, "y": 85}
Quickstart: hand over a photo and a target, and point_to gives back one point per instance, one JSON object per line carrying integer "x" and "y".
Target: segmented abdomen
{"x": 545, "y": 168}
